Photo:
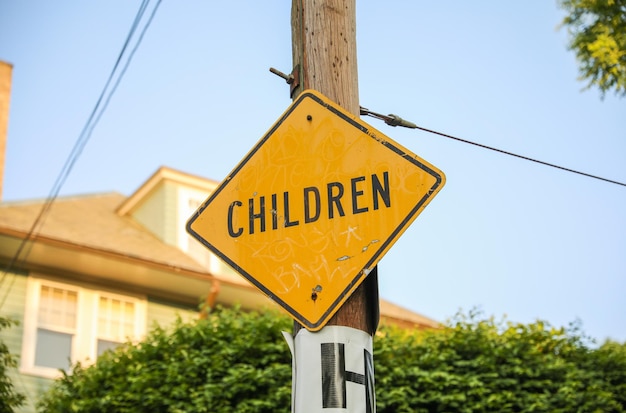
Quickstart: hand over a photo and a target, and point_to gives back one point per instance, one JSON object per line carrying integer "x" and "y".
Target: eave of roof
{"x": 90, "y": 222}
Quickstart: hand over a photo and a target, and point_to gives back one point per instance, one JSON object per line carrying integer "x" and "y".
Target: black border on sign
{"x": 361, "y": 275}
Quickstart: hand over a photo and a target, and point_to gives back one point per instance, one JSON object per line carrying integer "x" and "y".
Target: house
{"x": 87, "y": 272}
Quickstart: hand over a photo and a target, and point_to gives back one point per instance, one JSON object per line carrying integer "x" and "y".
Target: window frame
{"x": 139, "y": 321}
{"x": 85, "y": 338}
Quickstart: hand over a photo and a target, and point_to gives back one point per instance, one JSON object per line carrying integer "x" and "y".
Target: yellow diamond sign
{"x": 314, "y": 206}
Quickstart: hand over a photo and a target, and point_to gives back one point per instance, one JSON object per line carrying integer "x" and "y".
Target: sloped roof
{"x": 90, "y": 221}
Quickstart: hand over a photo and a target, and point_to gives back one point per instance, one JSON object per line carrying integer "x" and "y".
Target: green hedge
{"x": 477, "y": 365}
{"x": 236, "y": 361}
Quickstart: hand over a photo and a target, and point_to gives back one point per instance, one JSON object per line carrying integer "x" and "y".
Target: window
{"x": 116, "y": 321}
{"x": 56, "y": 326}
{"x": 65, "y": 323}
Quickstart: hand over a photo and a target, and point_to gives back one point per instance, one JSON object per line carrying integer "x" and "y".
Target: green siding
{"x": 33, "y": 387}
{"x": 164, "y": 314}
{"x": 13, "y": 308}
{"x": 159, "y": 211}
{"x": 30, "y": 386}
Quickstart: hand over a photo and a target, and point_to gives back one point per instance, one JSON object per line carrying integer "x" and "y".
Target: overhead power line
{"x": 99, "y": 108}
{"x": 394, "y": 120}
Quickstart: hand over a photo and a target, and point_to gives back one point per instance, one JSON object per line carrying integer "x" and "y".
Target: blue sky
{"x": 507, "y": 236}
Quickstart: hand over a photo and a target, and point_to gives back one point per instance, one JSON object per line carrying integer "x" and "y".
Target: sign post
{"x": 312, "y": 208}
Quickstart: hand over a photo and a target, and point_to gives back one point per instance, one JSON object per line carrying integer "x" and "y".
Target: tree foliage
{"x": 235, "y": 361}
{"x": 475, "y": 365}
{"x": 9, "y": 398}
{"x": 597, "y": 31}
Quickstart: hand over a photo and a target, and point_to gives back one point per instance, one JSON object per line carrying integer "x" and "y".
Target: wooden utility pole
{"x": 324, "y": 51}
{"x": 325, "y": 59}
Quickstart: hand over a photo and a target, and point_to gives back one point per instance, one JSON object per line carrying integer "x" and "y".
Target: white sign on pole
{"x": 333, "y": 371}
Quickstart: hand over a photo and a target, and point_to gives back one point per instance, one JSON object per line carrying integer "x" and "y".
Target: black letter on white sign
{"x": 335, "y": 376}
